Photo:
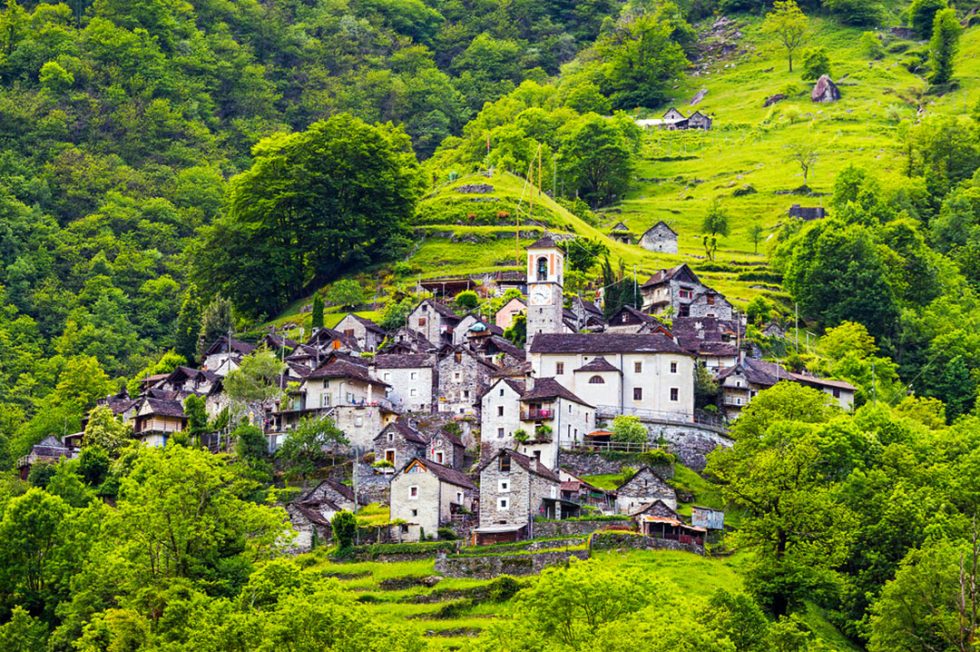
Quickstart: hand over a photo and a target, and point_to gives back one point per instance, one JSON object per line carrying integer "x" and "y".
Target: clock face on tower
{"x": 540, "y": 297}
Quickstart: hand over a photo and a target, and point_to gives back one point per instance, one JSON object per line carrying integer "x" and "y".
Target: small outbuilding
{"x": 659, "y": 237}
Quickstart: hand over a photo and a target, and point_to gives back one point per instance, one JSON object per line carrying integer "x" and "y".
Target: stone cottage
{"x": 398, "y": 443}
{"x": 514, "y": 489}
{"x": 659, "y": 237}
{"x": 643, "y": 488}
{"x": 426, "y": 496}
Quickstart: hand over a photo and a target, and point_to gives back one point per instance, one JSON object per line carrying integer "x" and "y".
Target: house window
{"x": 421, "y": 321}
{"x": 387, "y": 376}
{"x": 413, "y": 492}
{"x": 501, "y": 391}
{"x": 710, "y": 299}
{"x": 358, "y": 422}
{"x": 503, "y": 463}
{"x": 458, "y": 357}
{"x": 349, "y": 332}
{"x": 503, "y": 486}
{"x": 456, "y": 376}
{"x": 390, "y": 455}
{"x": 415, "y": 513}
{"x": 413, "y": 375}
{"x": 466, "y": 393}
{"x": 391, "y": 437}
{"x": 459, "y": 497}
{"x": 413, "y": 392}
{"x": 439, "y": 457}
{"x": 500, "y": 433}
{"x": 596, "y": 380}
{"x": 637, "y": 393}
{"x": 503, "y": 503}
{"x": 836, "y": 393}
{"x": 673, "y": 367}
{"x": 638, "y": 367}
{"x": 674, "y": 392}
{"x": 500, "y": 410}
{"x": 559, "y": 368}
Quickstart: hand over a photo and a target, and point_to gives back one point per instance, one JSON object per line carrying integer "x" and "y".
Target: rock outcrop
{"x": 825, "y": 90}
{"x": 772, "y": 99}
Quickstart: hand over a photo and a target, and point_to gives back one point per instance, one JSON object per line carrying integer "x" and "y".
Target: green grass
{"x": 607, "y": 481}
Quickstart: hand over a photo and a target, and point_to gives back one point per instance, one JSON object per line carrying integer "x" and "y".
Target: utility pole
{"x": 796, "y": 323}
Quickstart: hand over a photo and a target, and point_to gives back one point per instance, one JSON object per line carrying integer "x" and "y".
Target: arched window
{"x": 542, "y": 269}
{"x": 596, "y": 380}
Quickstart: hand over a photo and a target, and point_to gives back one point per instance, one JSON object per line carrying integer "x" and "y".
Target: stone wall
{"x": 620, "y": 540}
{"x": 372, "y": 486}
{"x": 588, "y": 463}
{"x": 517, "y": 494}
{"x": 691, "y": 443}
{"x": 549, "y": 529}
{"x": 490, "y": 566}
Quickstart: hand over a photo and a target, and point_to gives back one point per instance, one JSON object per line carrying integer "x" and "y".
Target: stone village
{"x": 462, "y": 434}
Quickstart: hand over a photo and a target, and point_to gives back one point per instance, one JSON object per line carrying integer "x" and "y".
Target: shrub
{"x": 503, "y": 588}
{"x": 859, "y": 13}
{"x": 921, "y": 15}
{"x": 344, "y": 526}
{"x": 467, "y": 300}
{"x": 628, "y": 428}
{"x": 816, "y": 62}
{"x": 657, "y": 457}
{"x": 521, "y": 436}
{"x": 747, "y": 189}
{"x": 447, "y": 534}
{"x": 543, "y": 432}
{"x": 871, "y": 45}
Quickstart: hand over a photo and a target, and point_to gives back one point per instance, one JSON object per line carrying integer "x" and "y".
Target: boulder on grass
{"x": 825, "y": 90}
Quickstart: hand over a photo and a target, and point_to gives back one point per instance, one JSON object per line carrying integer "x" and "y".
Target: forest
{"x": 162, "y": 181}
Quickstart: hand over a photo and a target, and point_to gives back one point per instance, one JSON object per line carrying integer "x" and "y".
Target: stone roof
{"x": 543, "y": 242}
{"x": 163, "y": 407}
{"x": 367, "y": 323}
{"x": 526, "y": 463}
{"x": 339, "y": 367}
{"x": 604, "y": 343}
{"x": 444, "y": 473}
{"x": 406, "y": 431}
{"x": 342, "y": 489}
{"x": 403, "y": 360}
{"x": 658, "y": 225}
{"x": 547, "y": 388}
{"x": 442, "y": 309}
{"x": 665, "y": 275}
{"x": 597, "y": 365}
{"x": 237, "y": 346}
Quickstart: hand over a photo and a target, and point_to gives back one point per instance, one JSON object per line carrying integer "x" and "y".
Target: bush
{"x": 816, "y": 62}
{"x": 344, "y": 526}
{"x": 858, "y": 13}
{"x": 503, "y": 588}
{"x": 467, "y": 300}
{"x": 521, "y": 436}
{"x": 657, "y": 457}
{"x": 871, "y": 45}
{"x": 921, "y": 15}
{"x": 627, "y": 428}
{"x": 447, "y": 534}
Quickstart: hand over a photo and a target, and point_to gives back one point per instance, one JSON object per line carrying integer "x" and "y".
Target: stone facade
{"x": 434, "y": 321}
{"x": 423, "y": 495}
{"x": 490, "y": 566}
{"x": 447, "y": 450}
{"x": 582, "y": 463}
{"x": 710, "y": 304}
{"x": 462, "y": 377}
{"x": 621, "y": 540}
{"x": 366, "y": 333}
{"x": 398, "y": 443}
{"x": 500, "y": 415}
{"x": 642, "y": 489}
{"x": 361, "y": 424}
{"x": 659, "y": 237}
{"x": 513, "y": 488}
{"x": 410, "y": 378}
{"x": 551, "y": 529}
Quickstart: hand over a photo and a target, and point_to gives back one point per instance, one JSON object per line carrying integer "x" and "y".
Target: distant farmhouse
{"x": 807, "y": 213}
{"x": 660, "y": 237}
{"x": 621, "y": 233}
{"x": 674, "y": 119}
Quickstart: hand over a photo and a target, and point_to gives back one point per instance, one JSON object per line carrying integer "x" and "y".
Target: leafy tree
{"x": 737, "y": 617}
{"x": 629, "y": 429}
{"x": 188, "y": 325}
{"x": 582, "y": 254}
{"x": 952, "y": 384}
{"x": 195, "y": 410}
{"x": 167, "y": 363}
{"x": 641, "y": 61}
{"x": 309, "y": 444}
{"x": 804, "y": 153}
{"x": 759, "y": 311}
{"x": 756, "y": 235}
{"x": 314, "y": 204}
{"x": 943, "y": 45}
{"x": 216, "y": 321}
{"x": 516, "y": 333}
{"x": 467, "y": 300}
{"x": 774, "y": 472}
{"x": 317, "y": 312}
{"x": 715, "y": 220}
{"x": 23, "y": 632}
{"x": 816, "y": 62}
{"x": 250, "y": 442}
{"x": 33, "y": 541}
{"x": 105, "y": 431}
{"x": 344, "y": 526}
{"x": 93, "y": 465}
{"x": 256, "y": 382}
{"x": 789, "y": 25}
{"x": 396, "y": 314}
{"x": 619, "y": 290}
{"x": 597, "y": 158}
{"x": 346, "y": 293}
{"x": 922, "y": 15}
{"x": 180, "y": 514}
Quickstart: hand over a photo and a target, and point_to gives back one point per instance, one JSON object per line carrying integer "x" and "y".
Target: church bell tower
{"x": 545, "y": 278}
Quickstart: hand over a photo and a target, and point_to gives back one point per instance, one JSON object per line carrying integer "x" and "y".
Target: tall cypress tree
{"x": 943, "y": 45}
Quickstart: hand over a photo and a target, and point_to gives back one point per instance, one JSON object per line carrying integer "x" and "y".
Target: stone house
{"x": 446, "y": 449}
{"x": 498, "y": 351}
{"x": 312, "y": 529}
{"x": 673, "y": 288}
{"x": 332, "y": 496}
{"x": 807, "y": 213}
{"x": 504, "y": 317}
{"x": 461, "y": 378}
{"x": 327, "y": 340}
{"x": 406, "y": 340}
{"x": 659, "y": 237}
{"x": 587, "y": 316}
{"x": 552, "y": 417}
{"x": 710, "y": 303}
{"x": 714, "y": 341}
{"x": 646, "y": 374}
{"x": 630, "y": 320}
{"x": 514, "y": 489}
{"x": 435, "y": 321}
{"x": 643, "y": 488}
{"x": 673, "y": 119}
{"x": 473, "y": 327}
{"x": 48, "y": 451}
{"x": 410, "y": 378}
{"x": 621, "y": 233}
{"x": 368, "y": 335}
{"x": 426, "y": 496}
{"x": 224, "y": 354}
{"x": 343, "y": 380}
{"x": 575, "y": 489}
{"x": 188, "y": 380}
{"x": 749, "y": 376}
{"x": 500, "y": 413}
{"x": 156, "y": 419}
{"x": 398, "y": 443}
{"x": 698, "y": 120}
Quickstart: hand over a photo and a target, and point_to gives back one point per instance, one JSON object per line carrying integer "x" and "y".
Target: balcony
{"x": 537, "y": 414}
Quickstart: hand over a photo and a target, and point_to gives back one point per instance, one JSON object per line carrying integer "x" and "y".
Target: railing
{"x": 611, "y": 446}
{"x": 699, "y": 417}
{"x": 537, "y": 415}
